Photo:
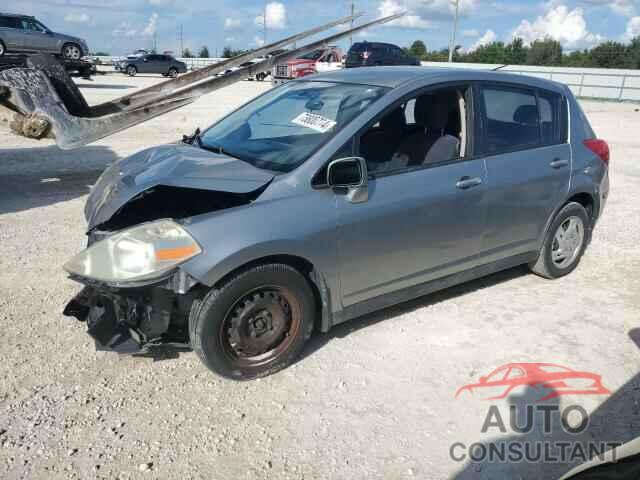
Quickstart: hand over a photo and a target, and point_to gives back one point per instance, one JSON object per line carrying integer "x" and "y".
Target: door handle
{"x": 468, "y": 182}
{"x": 557, "y": 163}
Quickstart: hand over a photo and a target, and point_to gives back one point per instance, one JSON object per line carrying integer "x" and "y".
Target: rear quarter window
{"x": 553, "y": 117}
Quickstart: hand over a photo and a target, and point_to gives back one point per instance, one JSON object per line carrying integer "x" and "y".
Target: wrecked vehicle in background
{"x": 41, "y": 100}
{"x": 321, "y": 60}
{"x": 330, "y": 197}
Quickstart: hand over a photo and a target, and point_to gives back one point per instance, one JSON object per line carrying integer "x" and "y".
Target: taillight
{"x": 599, "y": 147}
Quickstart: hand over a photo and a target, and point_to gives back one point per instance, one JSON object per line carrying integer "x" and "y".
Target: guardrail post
{"x": 624, "y": 80}
{"x": 581, "y": 85}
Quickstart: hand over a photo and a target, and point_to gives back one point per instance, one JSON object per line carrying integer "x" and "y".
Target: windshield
{"x": 315, "y": 55}
{"x": 281, "y": 129}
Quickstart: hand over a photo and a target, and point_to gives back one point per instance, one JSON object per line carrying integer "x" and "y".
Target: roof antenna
{"x": 499, "y": 67}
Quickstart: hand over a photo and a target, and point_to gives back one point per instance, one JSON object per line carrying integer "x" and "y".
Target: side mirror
{"x": 349, "y": 173}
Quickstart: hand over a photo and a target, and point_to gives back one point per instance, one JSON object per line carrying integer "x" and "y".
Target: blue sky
{"x": 118, "y": 26}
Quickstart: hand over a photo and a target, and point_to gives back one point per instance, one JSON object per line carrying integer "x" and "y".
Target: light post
{"x": 453, "y": 33}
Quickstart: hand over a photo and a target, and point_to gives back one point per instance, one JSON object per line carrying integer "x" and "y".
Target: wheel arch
{"x": 585, "y": 198}
{"x": 314, "y": 276}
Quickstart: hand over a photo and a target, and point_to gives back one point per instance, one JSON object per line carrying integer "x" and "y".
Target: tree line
{"x": 545, "y": 52}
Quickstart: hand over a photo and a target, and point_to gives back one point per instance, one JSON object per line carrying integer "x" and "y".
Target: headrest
{"x": 393, "y": 121}
{"x": 526, "y": 114}
{"x": 432, "y": 111}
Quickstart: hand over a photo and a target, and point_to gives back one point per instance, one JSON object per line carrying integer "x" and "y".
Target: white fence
{"x": 614, "y": 84}
{"x": 609, "y": 83}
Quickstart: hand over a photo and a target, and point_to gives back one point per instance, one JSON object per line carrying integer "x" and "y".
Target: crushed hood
{"x": 176, "y": 165}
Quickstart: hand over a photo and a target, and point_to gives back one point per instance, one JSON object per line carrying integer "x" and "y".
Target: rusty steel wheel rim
{"x": 260, "y": 326}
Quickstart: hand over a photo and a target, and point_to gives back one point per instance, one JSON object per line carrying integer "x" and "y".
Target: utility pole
{"x": 453, "y": 33}
{"x": 353, "y": 11}
{"x": 155, "y": 42}
{"x": 181, "y": 43}
{"x": 264, "y": 17}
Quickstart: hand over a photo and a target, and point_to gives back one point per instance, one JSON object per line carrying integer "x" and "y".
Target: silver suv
{"x": 22, "y": 33}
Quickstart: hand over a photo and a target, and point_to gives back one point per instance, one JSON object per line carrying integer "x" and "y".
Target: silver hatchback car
{"x": 328, "y": 198}
{"x": 23, "y": 33}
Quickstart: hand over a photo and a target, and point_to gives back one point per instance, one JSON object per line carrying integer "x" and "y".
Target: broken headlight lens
{"x": 140, "y": 253}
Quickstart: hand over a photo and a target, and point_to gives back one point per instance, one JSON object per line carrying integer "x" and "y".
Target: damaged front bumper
{"x": 135, "y": 320}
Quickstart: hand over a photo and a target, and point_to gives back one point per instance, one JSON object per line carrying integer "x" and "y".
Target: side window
{"x": 4, "y": 22}
{"x": 425, "y": 130}
{"x": 14, "y": 22}
{"x": 552, "y": 120}
{"x": 511, "y": 119}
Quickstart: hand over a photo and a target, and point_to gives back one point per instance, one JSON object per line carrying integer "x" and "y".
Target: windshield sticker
{"x": 314, "y": 121}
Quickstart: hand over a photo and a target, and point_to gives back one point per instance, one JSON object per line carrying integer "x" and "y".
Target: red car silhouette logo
{"x": 552, "y": 380}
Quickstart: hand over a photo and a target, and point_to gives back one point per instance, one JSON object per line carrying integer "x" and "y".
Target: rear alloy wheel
{"x": 71, "y": 51}
{"x": 132, "y": 71}
{"x": 565, "y": 242}
{"x": 3, "y": 49}
{"x": 173, "y": 73}
{"x": 255, "y": 324}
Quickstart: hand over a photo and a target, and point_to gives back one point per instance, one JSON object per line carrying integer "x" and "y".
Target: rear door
{"x": 524, "y": 143}
{"x": 12, "y": 32}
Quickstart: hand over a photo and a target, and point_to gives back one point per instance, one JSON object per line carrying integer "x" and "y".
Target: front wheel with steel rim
{"x": 565, "y": 242}
{"x": 132, "y": 71}
{"x": 255, "y": 323}
{"x": 71, "y": 51}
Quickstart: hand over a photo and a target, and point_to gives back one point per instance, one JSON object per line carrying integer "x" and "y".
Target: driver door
{"x": 418, "y": 224}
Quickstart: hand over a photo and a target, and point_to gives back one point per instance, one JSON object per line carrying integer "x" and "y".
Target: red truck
{"x": 320, "y": 60}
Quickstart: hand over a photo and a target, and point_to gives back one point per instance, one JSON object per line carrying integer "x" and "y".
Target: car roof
{"x": 375, "y": 43}
{"x": 395, "y": 76}
{"x": 16, "y": 15}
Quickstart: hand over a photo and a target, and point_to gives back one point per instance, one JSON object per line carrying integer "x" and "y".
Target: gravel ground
{"x": 374, "y": 398}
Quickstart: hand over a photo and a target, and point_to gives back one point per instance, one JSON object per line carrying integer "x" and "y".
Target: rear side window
{"x": 552, "y": 118}
{"x": 510, "y": 119}
{"x": 10, "y": 22}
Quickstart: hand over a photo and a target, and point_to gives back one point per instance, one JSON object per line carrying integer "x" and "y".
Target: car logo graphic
{"x": 550, "y": 379}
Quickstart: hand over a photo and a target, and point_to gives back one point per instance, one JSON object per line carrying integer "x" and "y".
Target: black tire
{"x": 71, "y": 51}
{"x": 131, "y": 71}
{"x": 545, "y": 265}
{"x": 232, "y": 309}
{"x": 173, "y": 72}
{"x": 3, "y": 48}
{"x": 260, "y": 77}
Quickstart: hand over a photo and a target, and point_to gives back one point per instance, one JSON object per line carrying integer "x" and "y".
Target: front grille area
{"x": 282, "y": 71}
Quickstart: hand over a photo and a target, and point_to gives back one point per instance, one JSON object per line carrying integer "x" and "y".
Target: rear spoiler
{"x": 46, "y": 101}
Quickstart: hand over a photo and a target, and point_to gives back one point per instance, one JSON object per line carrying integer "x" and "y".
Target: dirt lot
{"x": 371, "y": 399}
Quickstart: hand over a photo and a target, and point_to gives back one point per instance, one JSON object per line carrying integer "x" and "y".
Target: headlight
{"x": 139, "y": 253}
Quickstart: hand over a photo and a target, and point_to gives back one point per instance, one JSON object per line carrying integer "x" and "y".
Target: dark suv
{"x": 152, "y": 63}
{"x": 22, "y": 33}
{"x": 368, "y": 54}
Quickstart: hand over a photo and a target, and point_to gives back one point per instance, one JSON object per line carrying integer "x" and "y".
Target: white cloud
{"x": 276, "y": 15}
{"x": 470, "y": 33}
{"x": 77, "y": 18}
{"x": 125, "y": 29}
{"x": 230, "y": 39}
{"x": 160, "y": 3}
{"x": 422, "y": 14}
{"x": 633, "y": 28}
{"x": 488, "y": 37}
{"x": 151, "y": 27}
{"x": 259, "y": 41}
{"x": 232, "y": 23}
{"x": 391, "y": 7}
{"x": 566, "y": 26}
